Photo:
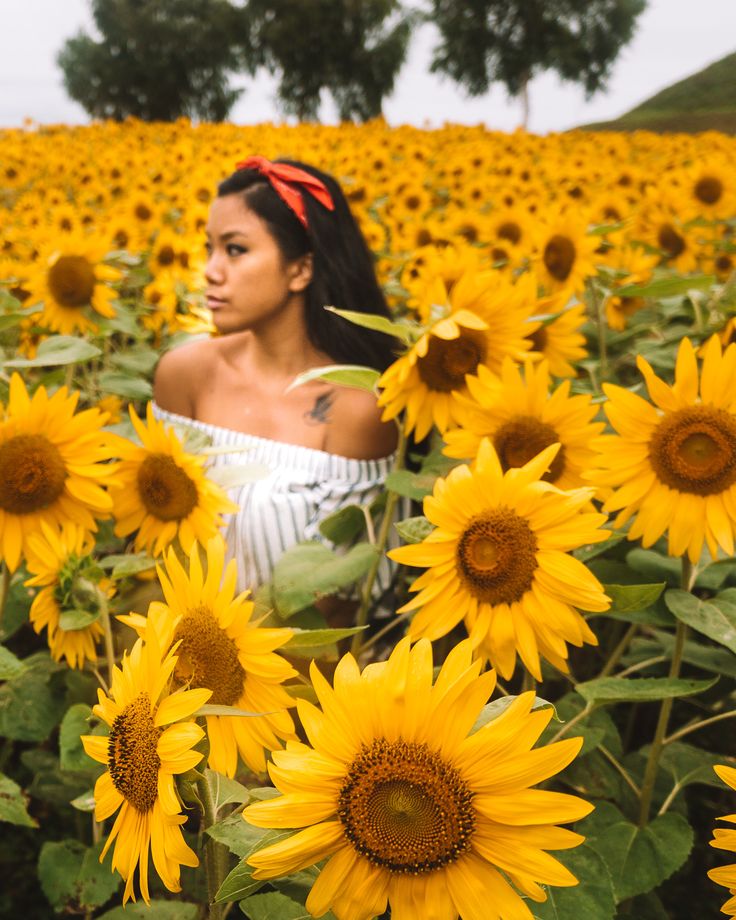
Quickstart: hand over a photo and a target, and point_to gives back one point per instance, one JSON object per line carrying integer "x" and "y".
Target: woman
{"x": 282, "y": 244}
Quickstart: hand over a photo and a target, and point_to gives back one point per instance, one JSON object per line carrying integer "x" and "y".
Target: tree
{"x": 158, "y": 59}
{"x": 511, "y": 41}
{"x": 353, "y": 49}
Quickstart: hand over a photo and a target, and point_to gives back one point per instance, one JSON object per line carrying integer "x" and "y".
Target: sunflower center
{"x": 522, "y": 438}
{"x": 405, "y": 808}
{"x": 71, "y": 280}
{"x": 694, "y": 450}
{"x": 670, "y": 241}
{"x": 496, "y": 557}
{"x": 510, "y": 231}
{"x": 539, "y": 338}
{"x": 32, "y": 474}
{"x": 166, "y": 255}
{"x": 165, "y": 489}
{"x": 143, "y": 212}
{"x": 208, "y": 657}
{"x": 447, "y": 361}
{"x": 709, "y": 189}
{"x": 559, "y": 257}
{"x": 132, "y": 757}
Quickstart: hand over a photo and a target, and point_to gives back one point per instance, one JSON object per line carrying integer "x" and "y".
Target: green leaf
{"x": 96, "y": 881}
{"x": 314, "y": 638}
{"x": 639, "y": 859}
{"x": 10, "y": 666}
{"x": 124, "y": 385}
{"x": 593, "y": 897}
{"x": 274, "y": 906}
{"x": 688, "y": 764}
{"x": 31, "y": 705}
{"x": 596, "y": 728}
{"x": 59, "y": 864}
{"x": 715, "y": 618}
{"x": 237, "y": 835}
{"x": 414, "y": 529}
{"x": 670, "y": 286}
{"x": 239, "y": 882}
{"x": 225, "y": 791}
{"x": 85, "y": 801}
{"x": 13, "y": 808}
{"x": 71, "y": 620}
{"x": 346, "y": 375}
{"x": 655, "y": 566}
{"x": 232, "y": 475}
{"x": 156, "y": 910}
{"x": 411, "y": 485}
{"x": 309, "y": 571}
{"x": 139, "y": 360}
{"x": 403, "y": 331}
{"x": 71, "y": 874}
{"x": 641, "y": 689}
{"x": 58, "y": 350}
{"x": 125, "y": 564}
{"x": 76, "y": 722}
{"x": 592, "y": 550}
{"x": 710, "y": 658}
{"x": 498, "y": 707}
{"x": 632, "y": 598}
{"x": 343, "y": 525}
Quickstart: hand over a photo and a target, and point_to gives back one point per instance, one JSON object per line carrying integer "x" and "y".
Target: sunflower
{"x": 634, "y": 266}
{"x": 498, "y": 559}
{"x": 408, "y": 807}
{"x": 673, "y": 464}
{"x": 725, "y": 839}
{"x": 559, "y": 338}
{"x": 565, "y": 252}
{"x": 161, "y": 490}
{"x": 71, "y": 278}
{"x": 51, "y": 467}
{"x": 424, "y": 380}
{"x": 58, "y": 561}
{"x": 522, "y": 417}
{"x": 142, "y": 758}
{"x": 221, "y": 649}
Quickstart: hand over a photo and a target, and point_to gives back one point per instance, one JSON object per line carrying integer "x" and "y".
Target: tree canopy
{"x": 511, "y": 41}
{"x": 353, "y": 49}
{"x": 158, "y": 60}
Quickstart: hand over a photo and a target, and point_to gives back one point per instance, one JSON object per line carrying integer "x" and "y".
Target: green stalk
{"x": 392, "y": 498}
{"x": 600, "y": 315}
{"x": 650, "y": 773}
{"x": 109, "y": 647}
{"x": 4, "y": 588}
{"x": 215, "y": 853}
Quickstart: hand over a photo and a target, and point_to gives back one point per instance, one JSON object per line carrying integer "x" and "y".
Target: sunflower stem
{"x": 215, "y": 853}
{"x": 618, "y": 652}
{"x": 696, "y": 726}
{"x": 650, "y": 773}
{"x": 366, "y": 593}
{"x": 4, "y": 588}
{"x": 109, "y": 646}
{"x": 600, "y": 305}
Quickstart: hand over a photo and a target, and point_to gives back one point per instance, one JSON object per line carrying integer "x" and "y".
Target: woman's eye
{"x": 234, "y": 250}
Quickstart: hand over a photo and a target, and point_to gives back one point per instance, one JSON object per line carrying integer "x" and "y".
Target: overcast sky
{"x": 674, "y": 39}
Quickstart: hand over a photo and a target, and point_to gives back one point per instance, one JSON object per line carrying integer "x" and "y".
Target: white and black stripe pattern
{"x": 285, "y": 507}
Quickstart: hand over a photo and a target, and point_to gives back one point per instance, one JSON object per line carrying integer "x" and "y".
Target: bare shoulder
{"x": 356, "y": 429}
{"x": 180, "y": 372}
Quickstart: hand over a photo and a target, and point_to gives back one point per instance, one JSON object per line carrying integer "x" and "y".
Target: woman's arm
{"x": 355, "y": 428}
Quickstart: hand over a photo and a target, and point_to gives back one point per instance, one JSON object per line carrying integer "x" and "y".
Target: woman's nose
{"x": 213, "y": 269}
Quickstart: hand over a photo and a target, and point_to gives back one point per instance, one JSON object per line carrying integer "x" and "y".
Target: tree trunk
{"x": 525, "y": 102}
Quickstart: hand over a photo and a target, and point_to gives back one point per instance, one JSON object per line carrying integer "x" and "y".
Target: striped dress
{"x": 299, "y": 486}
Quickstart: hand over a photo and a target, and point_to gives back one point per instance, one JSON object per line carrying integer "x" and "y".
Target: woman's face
{"x": 248, "y": 280}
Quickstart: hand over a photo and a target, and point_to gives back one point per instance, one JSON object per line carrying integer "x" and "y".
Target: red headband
{"x": 283, "y": 179}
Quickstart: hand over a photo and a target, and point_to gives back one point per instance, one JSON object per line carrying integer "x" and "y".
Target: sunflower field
{"x": 538, "y": 725}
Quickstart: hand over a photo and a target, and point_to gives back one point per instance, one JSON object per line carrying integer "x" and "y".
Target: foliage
{"x": 353, "y": 51}
{"x": 157, "y": 61}
{"x": 488, "y": 41}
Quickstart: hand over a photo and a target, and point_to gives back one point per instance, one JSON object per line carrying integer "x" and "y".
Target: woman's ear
{"x": 301, "y": 272}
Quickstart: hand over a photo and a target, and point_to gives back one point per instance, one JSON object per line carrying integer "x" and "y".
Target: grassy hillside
{"x": 704, "y": 101}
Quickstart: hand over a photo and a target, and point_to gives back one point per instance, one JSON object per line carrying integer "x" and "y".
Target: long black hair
{"x": 343, "y": 275}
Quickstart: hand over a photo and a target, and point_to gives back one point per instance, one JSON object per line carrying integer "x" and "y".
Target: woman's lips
{"x": 215, "y": 303}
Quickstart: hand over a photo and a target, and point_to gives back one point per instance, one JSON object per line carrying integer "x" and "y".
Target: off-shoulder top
{"x": 299, "y": 488}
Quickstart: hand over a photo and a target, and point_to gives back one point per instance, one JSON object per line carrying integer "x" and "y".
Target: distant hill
{"x": 706, "y": 101}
